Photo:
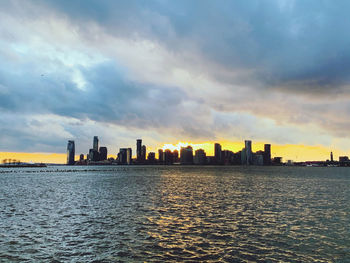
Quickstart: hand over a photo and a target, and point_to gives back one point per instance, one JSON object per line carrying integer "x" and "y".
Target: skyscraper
{"x": 248, "y": 152}
{"x": 129, "y": 156}
{"x": 70, "y": 152}
{"x": 267, "y": 154}
{"x": 95, "y": 143}
{"x": 160, "y": 156}
{"x": 94, "y": 155}
{"x": 138, "y": 149}
{"x": 217, "y": 151}
{"x": 168, "y": 157}
{"x": 176, "y": 156}
{"x": 103, "y": 153}
{"x": 186, "y": 155}
{"x": 143, "y": 153}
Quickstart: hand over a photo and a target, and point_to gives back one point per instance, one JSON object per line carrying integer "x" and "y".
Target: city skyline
{"x": 222, "y": 71}
{"x": 186, "y": 155}
{"x": 288, "y": 152}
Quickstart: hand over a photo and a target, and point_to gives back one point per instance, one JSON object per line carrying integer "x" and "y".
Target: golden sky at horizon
{"x": 288, "y": 152}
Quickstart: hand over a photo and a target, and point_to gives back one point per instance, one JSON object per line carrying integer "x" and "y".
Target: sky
{"x": 198, "y": 71}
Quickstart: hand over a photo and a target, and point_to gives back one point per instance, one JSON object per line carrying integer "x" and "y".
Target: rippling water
{"x": 228, "y": 214}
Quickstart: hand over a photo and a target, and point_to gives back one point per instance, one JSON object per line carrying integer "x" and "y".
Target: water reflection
{"x": 112, "y": 214}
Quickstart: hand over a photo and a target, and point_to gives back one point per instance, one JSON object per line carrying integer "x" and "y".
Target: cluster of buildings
{"x": 98, "y": 156}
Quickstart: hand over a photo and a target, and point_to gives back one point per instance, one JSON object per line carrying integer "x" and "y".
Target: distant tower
{"x": 217, "y": 151}
{"x": 103, "y": 153}
{"x": 248, "y": 152}
{"x": 95, "y": 143}
{"x": 160, "y": 156}
{"x": 332, "y": 157}
{"x": 267, "y": 154}
{"x": 143, "y": 153}
{"x": 186, "y": 155}
{"x": 70, "y": 152}
{"x": 128, "y": 155}
{"x": 176, "y": 156}
{"x": 138, "y": 149}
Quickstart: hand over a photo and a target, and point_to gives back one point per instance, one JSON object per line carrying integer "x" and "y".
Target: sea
{"x": 175, "y": 214}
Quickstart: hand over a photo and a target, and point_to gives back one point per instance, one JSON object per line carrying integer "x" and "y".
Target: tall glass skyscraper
{"x": 95, "y": 143}
{"x": 138, "y": 149}
{"x": 70, "y": 152}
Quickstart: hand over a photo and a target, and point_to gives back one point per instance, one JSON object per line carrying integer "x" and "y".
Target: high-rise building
{"x": 168, "y": 157}
{"x": 143, "y": 153}
{"x": 217, "y": 151}
{"x": 70, "y": 153}
{"x": 248, "y": 152}
{"x": 103, "y": 153}
{"x": 200, "y": 157}
{"x": 267, "y": 154}
{"x": 122, "y": 155}
{"x": 128, "y": 156}
{"x": 94, "y": 155}
{"x": 81, "y": 158}
{"x": 160, "y": 156}
{"x": 176, "y": 156}
{"x": 95, "y": 143}
{"x": 138, "y": 149}
{"x": 332, "y": 160}
{"x": 243, "y": 157}
{"x": 186, "y": 155}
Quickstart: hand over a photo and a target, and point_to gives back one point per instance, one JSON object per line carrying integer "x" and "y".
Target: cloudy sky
{"x": 273, "y": 71}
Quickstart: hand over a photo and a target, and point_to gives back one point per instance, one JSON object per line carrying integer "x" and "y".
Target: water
{"x": 136, "y": 214}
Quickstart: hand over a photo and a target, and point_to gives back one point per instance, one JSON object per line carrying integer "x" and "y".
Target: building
{"x": 277, "y": 160}
{"x": 200, "y": 157}
{"x": 143, "y": 153}
{"x": 267, "y": 154}
{"x": 343, "y": 158}
{"x": 186, "y": 155}
{"x": 138, "y": 149}
{"x": 176, "y": 156}
{"x": 70, "y": 153}
{"x": 258, "y": 158}
{"x": 248, "y": 152}
{"x": 332, "y": 160}
{"x": 217, "y": 152}
{"x": 236, "y": 158}
{"x": 94, "y": 155}
{"x": 344, "y": 161}
{"x": 151, "y": 158}
{"x": 95, "y": 143}
{"x": 125, "y": 156}
{"x": 243, "y": 157}
{"x": 160, "y": 156}
{"x": 226, "y": 157}
{"x": 128, "y": 156}
{"x": 81, "y": 158}
{"x": 103, "y": 153}
{"x": 168, "y": 157}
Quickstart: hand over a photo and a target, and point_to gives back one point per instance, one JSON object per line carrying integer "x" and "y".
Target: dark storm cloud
{"x": 264, "y": 58}
{"x": 291, "y": 45}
